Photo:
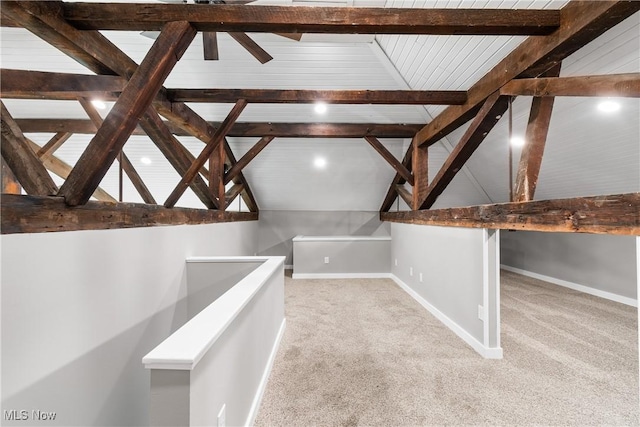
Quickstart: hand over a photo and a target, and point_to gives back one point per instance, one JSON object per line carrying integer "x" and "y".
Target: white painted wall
{"x": 604, "y": 264}
{"x": 80, "y": 309}
{"x": 460, "y": 278}
{"x": 277, "y": 228}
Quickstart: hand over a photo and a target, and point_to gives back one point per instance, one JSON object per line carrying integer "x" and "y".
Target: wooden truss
{"x": 143, "y": 106}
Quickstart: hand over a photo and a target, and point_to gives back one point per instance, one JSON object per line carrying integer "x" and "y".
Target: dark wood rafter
{"x": 252, "y": 47}
{"x": 490, "y": 113}
{"x": 390, "y": 158}
{"x": 216, "y": 175}
{"x": 392, "y": 193}
{"x": 8, "y": 182}
{"x": 535, "y": 141}
{"x": 611, "y": 214}
{"x": 298, "y": 96}
{"x": 235, "y": 169}
{"x": 210, "y": 45}
{"x": 122, "y": 158}
{"x": 62, "y": 169}
{"x": 233, "y": 192}
{"x": 195, "y": 167}
{"x": 176, "y": 153}
{"x": 581, "y": 22}
{"x": 23, "y": 162}
{"x": 123, "y": 117}
{"x": 283, "y": 19}
{"x": 54, "y": 143}
{"x": 242, "y": 129}
{"x": 19, "y": 84}
{"x": 614, "y": 85}
{"x": 247, "y": 194}
{"x": 27, "y": 214}
{"x": 405, "y": 194}
{"x": 420, "y": 167}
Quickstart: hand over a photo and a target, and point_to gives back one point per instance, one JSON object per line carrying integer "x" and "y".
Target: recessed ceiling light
{"x": 145, "y": 160}
{"x": 99, "y": 104}
{"x": 517, "y": 141}
{"x": 609, "y": 106}
{"x": 320, "y": 163}
{"x": 320, "y": 107}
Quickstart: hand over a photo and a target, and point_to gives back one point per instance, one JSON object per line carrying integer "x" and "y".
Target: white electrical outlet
{"x": 326, "y": 260}
{"x": 222, "y": 415}
{"x": 420, "y": 277}
{"x": 410, "y": 271}
{"x": 396, "y": 262}
{"x": 481, "y": 312}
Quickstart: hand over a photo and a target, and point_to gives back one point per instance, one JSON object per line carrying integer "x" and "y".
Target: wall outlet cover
{"x": 326, "y": 260}
{"x": 420, "y": 277}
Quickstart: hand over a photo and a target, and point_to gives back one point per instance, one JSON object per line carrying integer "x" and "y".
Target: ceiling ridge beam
{"x": 611, "y": 214}
{"x": 335, "y": 20}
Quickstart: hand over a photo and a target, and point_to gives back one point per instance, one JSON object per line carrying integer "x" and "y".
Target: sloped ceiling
{"x": 587, "y": 153}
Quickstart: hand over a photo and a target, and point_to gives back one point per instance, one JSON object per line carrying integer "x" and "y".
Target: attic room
{"x": 300, "y": 212}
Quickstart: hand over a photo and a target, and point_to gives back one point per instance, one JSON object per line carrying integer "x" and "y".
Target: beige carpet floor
{"x": 362, "y": 352}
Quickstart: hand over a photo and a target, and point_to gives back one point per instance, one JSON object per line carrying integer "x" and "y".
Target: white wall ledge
{"x": 340, "y": 238}
{"x": 185, "y": 347}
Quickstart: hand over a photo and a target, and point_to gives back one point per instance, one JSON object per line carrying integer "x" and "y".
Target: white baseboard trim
{"x": 575, "y": 286}
{"x": 341, "y": 275}
{"x": 257, "y": 400}
{"x": 484, "y": 351}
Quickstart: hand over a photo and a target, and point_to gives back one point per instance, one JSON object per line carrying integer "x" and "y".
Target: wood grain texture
{"x": 29, "y": 214}
{"x": 252, "y": 47}
{"x": 335, "y": 20}
{"x": 405, "y": 194}
{"x": 23, "y": 162}
{"x": 582, "y": 22}
{"x": 614, "y": 85}
{"x": 611, "y": 214}
{"x": 487, "y": 118}
{"x": 210, "y": 46}
{"x": 392, "y": 192}
{"x": 8, "y": 181}
{"x": 241, "y": 129}
{"x": 248, "y": 156}
{"x": 247, "y": 195}
{"x": 123, "y": 117}
{"x": 390, "y": 158}
{"x": 232, "y": 194}
{"x": 420, "y": 167}
{"x": 54, "y": 143}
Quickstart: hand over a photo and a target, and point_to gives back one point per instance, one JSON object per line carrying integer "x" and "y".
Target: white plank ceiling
{"x": 587, "y": 153}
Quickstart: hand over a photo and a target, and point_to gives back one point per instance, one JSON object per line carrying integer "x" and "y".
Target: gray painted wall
{"x": 81, "y": 309}
{"x": 277, "y": 228}
{"x": 451, "y": 261}
{"x": 345, "y": 257}
{"x": 602, "y": 262}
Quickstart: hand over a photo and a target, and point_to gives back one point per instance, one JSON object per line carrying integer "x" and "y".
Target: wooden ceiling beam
{"x": 490, "y": 113}
{"x": 404, "y": 194}
{"x": 582, "y": 22}
{"x": 243, "y": 129}
{"x": 248, "y": 156}
{"x": 62, "y": 169}
{"x": 618, "y": 85}
{"x": 176, "y": 153}
{"x": 29, "y": 214}
{"x": 22, "y": 161}
{"x": 232, "y": 194}
{"x": 54, "y": 143}
{"x": 195, "y": 167}
{"x": 392, "y": 192}
{"x": 334, "y": 20}
{"x": 611, "y": 214}
{"x": 535, "y": 141}
{"x": 123, "y": 117}
{"x": 247, "y": 194}
{"x": 8, "y": 182}
{"x": 122, "y": 158}
{"x": 390, "y": 158}
{"x": 23, "y": 84}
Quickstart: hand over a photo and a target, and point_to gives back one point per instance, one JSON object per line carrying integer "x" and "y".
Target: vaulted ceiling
{"x": 587, "y": 153}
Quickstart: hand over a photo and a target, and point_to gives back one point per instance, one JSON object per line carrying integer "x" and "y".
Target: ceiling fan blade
{"x": 292, "y": 36}
{"x": 252, "y": 47}
{"x": 210, "y": 45}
